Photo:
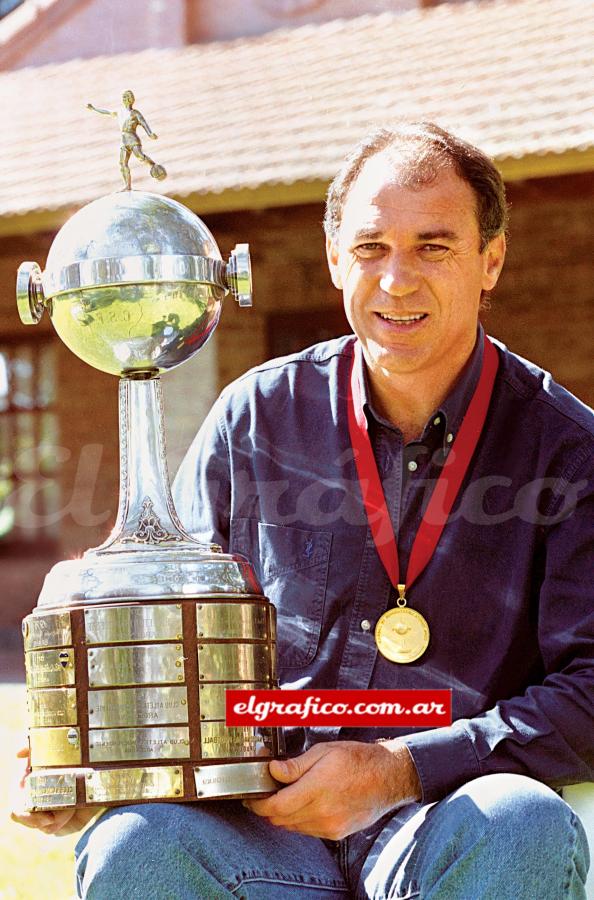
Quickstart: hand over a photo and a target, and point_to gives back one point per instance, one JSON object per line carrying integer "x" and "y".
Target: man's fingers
{"x": 61, "y": 819}
{"x": 285, "y": 804}
{"x": 33, "y": 820}
{"x": 49, "y": 822}
{"x": 24, "y": 753}
{"x": 290, "y": 770}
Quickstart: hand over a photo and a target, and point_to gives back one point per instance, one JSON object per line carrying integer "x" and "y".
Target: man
{"x": 501, "y": 576}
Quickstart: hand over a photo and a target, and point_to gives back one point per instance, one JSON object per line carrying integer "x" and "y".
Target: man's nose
{"x": 399, "y": 277}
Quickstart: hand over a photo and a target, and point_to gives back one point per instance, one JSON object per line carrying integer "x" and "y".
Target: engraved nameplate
{"x": 52, "y": 706}
{"x": 219, "y": 741}
{"x": 138, "y": 706}
{"x": 142, "y": 783}
{"x": 212, "y": 697}
{"x": 49, "y": 668}
{"x": 49, "y": 630}
{"x": 55, "y": 746}
{"x": 120, "y": 624}
{"x": 231, "y": 620}
{"x": 233, "y": 662}
{"x": 233, "y": 778}
{"x": 47, "y": 790}
{"x": 135, "y": 665}
{"x": 111, "y": 745}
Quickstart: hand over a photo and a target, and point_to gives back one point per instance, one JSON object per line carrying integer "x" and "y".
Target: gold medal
{"x": 402, "y": 634}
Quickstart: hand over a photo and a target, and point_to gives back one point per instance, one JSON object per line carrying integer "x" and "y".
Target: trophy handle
{"x": 239, "y": 274}
{"x": 29, "y": 291}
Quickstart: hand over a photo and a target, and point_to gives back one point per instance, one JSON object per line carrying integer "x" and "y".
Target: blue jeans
{"x": 500, "y": 837}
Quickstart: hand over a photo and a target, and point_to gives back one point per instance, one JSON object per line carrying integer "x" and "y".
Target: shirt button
{"x": 437, "y": 420}
{"x": 449, "y": 438}
{"x": 412, "y": 466}
{"x": 365, "y": 625}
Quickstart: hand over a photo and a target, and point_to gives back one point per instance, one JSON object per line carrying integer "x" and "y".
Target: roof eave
{"x": 537, "y": 165}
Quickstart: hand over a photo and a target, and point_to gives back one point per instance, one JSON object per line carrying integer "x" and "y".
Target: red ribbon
{"x": 448, "y": 484}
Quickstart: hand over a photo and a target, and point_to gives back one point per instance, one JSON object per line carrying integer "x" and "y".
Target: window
{"x": 29, "y": 452}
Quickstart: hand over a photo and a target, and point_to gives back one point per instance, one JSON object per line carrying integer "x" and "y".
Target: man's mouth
{"x": 402, "y": 320}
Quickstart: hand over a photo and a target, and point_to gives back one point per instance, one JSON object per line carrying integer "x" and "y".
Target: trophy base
{"x": 51, "y": 789}
{"x": 127, "y": 699}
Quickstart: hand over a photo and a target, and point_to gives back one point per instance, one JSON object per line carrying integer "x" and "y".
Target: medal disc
{"x": 402, "y": 635}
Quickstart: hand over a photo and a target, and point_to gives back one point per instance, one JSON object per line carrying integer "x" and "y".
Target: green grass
{"x": 34, "y": 866}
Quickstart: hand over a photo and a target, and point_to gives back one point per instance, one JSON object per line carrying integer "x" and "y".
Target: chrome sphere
{"x": 133, "y": 283}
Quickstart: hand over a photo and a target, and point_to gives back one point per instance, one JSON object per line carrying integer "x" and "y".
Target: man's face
{"x": 128, "y": 99}
{"x": 409, "y": 264}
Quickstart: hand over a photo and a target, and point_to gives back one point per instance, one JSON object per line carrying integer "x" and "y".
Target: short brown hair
{"x": 427, "y": 148}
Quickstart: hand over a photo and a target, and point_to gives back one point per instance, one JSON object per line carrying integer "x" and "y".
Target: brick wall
{"x": 543, "y": 307}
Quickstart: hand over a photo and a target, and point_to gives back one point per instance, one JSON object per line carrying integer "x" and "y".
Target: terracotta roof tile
{"x": 514, "y": 76}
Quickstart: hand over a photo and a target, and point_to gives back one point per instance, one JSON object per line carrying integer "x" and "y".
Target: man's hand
{"x": 340, "y": 787}
{"x": 59, "y": 822}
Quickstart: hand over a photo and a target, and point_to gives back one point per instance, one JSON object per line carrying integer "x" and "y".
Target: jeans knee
{"x": 526, "y": 813}
{"x": 119, "y": 850}
{"x": 503, "y": 836}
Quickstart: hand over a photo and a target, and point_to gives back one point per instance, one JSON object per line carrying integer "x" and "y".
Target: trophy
{"x": 131, "y": 648}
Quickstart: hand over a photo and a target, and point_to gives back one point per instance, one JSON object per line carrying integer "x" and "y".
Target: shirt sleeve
{"x": 202, "y": 486}
{"x": 548, "y": 732}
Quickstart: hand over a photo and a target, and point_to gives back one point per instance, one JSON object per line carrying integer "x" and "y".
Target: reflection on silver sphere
{"x": 136, "y": 282}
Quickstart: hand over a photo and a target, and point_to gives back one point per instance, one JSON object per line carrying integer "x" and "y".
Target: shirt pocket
{"x": 292, "y": 567}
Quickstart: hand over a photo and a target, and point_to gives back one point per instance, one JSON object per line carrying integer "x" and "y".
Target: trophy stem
{"x": 146, "y": 514}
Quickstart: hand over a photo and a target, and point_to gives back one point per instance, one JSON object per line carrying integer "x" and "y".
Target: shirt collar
{"x": 451, "y": 411}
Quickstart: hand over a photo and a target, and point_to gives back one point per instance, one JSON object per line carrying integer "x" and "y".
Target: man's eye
{"x": 369, "y": 247}
{"x": 434, "y": 249}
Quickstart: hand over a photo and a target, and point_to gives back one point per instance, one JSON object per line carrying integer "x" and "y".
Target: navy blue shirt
{"x": 507, "y": 594}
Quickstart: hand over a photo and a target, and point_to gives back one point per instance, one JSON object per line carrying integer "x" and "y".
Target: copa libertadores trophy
{"x": 131, "y": 647}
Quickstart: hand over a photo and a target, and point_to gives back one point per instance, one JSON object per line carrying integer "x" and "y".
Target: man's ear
{"x": 494, "y": 255}
{"x": 332, "y": 256}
